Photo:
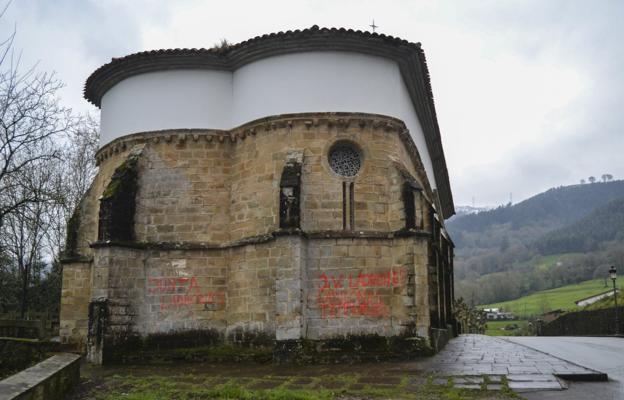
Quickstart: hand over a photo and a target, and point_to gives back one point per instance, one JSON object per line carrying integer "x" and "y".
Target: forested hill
{"x": 562, "y": 236}
{"x": 544, "y": 212}
{"x": 605, "y": 223}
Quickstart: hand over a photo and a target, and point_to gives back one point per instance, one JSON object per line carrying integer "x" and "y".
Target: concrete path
{"x": 601, "y": 353}
{"x": 469, "y": 358}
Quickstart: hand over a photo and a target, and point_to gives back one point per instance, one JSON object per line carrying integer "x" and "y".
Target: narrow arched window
{"x": 345, "y": 160}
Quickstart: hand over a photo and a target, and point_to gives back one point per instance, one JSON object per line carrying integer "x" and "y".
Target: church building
{"x": 288, "y": 192}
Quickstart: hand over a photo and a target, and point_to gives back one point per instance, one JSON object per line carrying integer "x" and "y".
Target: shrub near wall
{"x": 588, "y": 323}
{"x": 17, "y": 354}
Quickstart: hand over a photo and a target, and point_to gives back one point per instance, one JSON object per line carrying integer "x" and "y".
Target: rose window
{"x": 345, "y": 160}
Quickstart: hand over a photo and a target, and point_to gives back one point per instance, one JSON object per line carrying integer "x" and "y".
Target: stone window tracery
{"x": 345, "y": 160}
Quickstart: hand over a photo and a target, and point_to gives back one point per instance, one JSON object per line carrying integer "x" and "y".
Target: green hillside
{"x": 563, "y": 236}
{"x": 603, "y": 224}
{"x": 558, "y": 206}
{"x": 552, "y": 299}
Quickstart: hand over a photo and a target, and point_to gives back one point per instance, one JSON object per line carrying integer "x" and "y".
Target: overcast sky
{"x": 529, "y": 94}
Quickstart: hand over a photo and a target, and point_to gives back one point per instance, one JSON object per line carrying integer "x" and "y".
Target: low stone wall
{"x": 588, "y": 323}
{"x": 51, "y": 379}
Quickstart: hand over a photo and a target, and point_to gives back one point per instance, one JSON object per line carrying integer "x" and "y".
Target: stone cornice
{"x": 76, "y": 259}
{"x": 409, "y": 57}
{"x": 253, "y": 240}
{"x": 268, "y": 125}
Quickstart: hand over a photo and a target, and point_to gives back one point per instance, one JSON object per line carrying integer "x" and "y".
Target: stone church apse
{"x": 286, "y": 193}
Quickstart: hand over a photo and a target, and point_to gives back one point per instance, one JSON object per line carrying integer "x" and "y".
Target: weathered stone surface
{"x": 209, "y": 253}
{"x": 51, "y": 379}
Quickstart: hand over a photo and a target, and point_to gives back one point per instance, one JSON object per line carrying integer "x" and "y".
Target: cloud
{"x": 551, "y": 94}
{"x": 528, "y": 93}
{"x": 74, "y": 37}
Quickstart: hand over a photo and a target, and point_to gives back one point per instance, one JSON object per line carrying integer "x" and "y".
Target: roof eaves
{"x": 408, "y": 55}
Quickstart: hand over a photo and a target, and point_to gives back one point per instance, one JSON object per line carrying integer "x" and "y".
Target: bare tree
{"x": 591, "y": 179}
{"x": 582, "y": 181}
{"x": 72, "y": 178}
{"x": 32, "y": 123}
{"x": 23, "y": 234}
{"x": 31, "y": 118}
{"x": 33, "y": 235}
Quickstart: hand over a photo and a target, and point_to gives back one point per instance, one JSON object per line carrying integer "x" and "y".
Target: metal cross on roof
{"x": 374, "y": 26}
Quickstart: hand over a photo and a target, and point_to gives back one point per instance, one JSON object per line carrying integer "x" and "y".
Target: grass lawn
{"x": 268, "y": 382}
{"x": 552, "y": 299}
{"x": 495, "y": 328}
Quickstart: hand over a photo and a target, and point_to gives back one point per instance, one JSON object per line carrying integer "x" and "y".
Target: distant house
{"x": 592, "y": 299}
{"x": 493, "y": 314}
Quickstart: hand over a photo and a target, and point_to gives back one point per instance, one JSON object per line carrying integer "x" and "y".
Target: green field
{"x": 552, "y": 299}
{"x": 496, "y": 328}
{"x": 546, "y": 262}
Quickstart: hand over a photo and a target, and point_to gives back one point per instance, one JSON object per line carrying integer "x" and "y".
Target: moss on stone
{"x": 210, "y": 345}
{"x": 193, "y": 346}
{"x": 352, "y": 348}
{"x": 118, "y": 203}
{"x": 71, "y": 242}
{"x": 217, "y": 353}
{"x": 112, "y": 189}
{"x": 124, "y": 172}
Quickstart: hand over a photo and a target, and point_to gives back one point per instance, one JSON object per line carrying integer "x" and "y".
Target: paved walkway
{"x": 469, "y": 358}
{"x": 602, "y": 353}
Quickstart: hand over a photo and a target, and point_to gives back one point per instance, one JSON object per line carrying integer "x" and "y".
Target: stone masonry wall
{"x": 209, "y": 254}
{"x": 76, "y": 293}
{"x": 363, "y": 287}
{"x": 218, "y": 187}
{"x": 183, "y": 192}
{"x": 287, "y": 288}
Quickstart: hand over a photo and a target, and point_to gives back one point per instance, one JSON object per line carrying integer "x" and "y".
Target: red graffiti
{"x": 173, "y": 285}
{"x": 343, "y": 296}
{"x": 177, "y": 292}
{"x": 388, "y": 279}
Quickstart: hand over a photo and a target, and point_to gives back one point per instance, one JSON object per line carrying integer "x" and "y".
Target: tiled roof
{"x": 409, "y": 56}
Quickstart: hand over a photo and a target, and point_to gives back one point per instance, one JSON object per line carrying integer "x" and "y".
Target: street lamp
{"x": 613, "y": 276}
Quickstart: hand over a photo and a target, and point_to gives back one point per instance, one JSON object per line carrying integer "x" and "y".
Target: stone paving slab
{"x": 476, "y": 356}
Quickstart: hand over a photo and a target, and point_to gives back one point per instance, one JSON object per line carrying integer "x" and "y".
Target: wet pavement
{"x": 477, "y": 359}
{"x": 601, "y": 353}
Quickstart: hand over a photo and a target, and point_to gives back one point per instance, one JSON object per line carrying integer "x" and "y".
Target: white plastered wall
{"x": 293, "y": 83}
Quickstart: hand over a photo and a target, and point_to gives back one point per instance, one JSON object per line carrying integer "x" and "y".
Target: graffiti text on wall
{"x": 341, "y": 295}
{"x": 176, "y": 292}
